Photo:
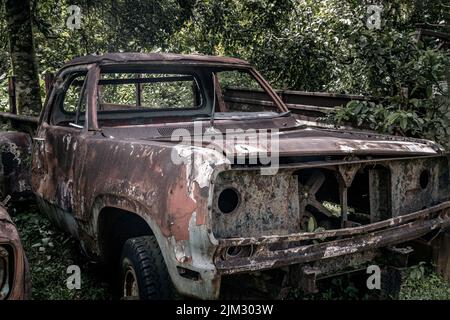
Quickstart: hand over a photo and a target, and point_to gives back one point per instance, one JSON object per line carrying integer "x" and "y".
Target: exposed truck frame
{"x": 339, "y": 200}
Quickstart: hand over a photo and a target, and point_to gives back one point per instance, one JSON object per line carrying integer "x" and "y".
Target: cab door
{"x": 57, "y": 149}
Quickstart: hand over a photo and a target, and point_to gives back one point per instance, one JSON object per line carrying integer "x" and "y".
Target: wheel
{"x": 144, "y": 273}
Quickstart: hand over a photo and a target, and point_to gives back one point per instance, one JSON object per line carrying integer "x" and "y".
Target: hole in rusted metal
{"x": 228, "y": 200}
{"x": 188, "y": 274}
{"x": 237, "y": 252}
{"x": 424, "y": 179}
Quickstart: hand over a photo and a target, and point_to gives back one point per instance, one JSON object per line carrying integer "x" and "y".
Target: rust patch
{"x": 181, "y": 206}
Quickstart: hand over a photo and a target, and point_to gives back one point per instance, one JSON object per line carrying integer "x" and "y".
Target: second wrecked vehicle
{"x": 154, "y": 163}
{"x": 15, "y": 282}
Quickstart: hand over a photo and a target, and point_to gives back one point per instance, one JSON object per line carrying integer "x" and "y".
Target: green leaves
{"x": 50, "y": 252}
{"x": 300, "y": 45}
{"x": 422, "y": 283}
{"x": 312, "y": 224}
{"x": 423, "y": 118}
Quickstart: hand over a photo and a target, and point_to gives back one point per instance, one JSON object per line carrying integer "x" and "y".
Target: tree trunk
{"x": 23, "y": 57}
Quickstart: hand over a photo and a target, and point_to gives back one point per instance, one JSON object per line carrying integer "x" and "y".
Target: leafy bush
{"x": 416, "y": 104}
{"x": 423, "y": 284}
{"x": 415, "y": 118}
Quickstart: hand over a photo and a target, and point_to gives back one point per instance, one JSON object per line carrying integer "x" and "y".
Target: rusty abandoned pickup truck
{"x": 122, "y": 158}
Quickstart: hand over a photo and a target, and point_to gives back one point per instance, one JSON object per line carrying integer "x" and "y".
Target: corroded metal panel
{"x": 18, "y": 283}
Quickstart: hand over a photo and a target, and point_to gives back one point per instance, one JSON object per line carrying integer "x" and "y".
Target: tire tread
{"x": 153, "y": 278}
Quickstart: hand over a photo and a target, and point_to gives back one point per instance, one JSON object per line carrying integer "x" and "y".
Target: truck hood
{"x": 313, "y": 141}
{"x": 300, "y": 140}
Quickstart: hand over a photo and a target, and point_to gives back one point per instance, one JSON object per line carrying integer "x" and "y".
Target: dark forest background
{"x": 320, "y": 45}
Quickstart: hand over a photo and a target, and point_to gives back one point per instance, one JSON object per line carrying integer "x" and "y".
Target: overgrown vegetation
{"x": 415, "y": 104}
{"x": 50, "y": 252}
{"x": 423, "y": 284}
{"x": 421, "y": 118}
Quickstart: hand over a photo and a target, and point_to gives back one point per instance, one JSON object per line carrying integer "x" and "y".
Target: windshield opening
{"x": 241, "y": 92}
{"x": 141, "y": 95}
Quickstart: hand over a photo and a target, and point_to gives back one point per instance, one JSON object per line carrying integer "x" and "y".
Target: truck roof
{"x": 124, "y": 57}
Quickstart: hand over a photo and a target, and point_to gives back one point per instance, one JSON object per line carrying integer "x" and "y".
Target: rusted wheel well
{"x": 115, "y": 226}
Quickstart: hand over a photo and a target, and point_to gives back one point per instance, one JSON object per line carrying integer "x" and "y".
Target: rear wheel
{"x": 144, "y": 273}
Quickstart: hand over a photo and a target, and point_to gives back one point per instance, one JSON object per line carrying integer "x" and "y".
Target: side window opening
{"x": 73, "y": 95}
{"x": 238, "y": 87}
{"x": 72, "y": 102}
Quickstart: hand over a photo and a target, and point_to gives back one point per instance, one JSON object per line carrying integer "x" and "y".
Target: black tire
{"x": 144, "y": 273}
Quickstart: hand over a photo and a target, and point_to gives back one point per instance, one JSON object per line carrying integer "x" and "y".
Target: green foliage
{"x": 416, "y": 118}
{"x": 306, "y": 45}
{"x": 404, "y": 79}
{"x": 326, "y": 46}
{"x": 417, "y": 272}
{"x": 49, "y": 253}
{"x": 237, "y": 79}
{"x": 423, "y": 118}
{"x": 106, "y": 26}
{"x": 423, "y": 284}
{"x": 156, "y": 95}
{"x": 309, "y": 45}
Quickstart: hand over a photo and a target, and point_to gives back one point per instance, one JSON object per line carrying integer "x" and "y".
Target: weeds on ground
{"x": 50, "y": 252}
{"x": 423, "y": 284}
